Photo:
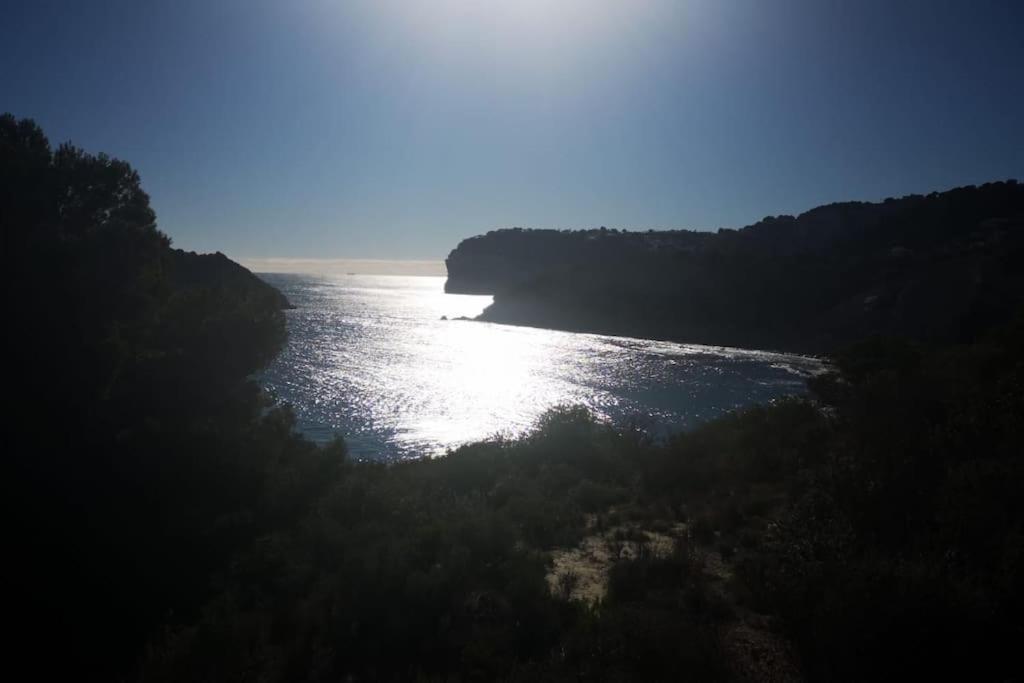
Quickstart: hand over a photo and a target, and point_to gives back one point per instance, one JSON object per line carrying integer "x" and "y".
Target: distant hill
{"x": 936, "y": 268}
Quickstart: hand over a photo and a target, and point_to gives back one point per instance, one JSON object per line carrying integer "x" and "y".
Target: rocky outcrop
{"x": 188, "y": 269}
{"x": 936, "y": 268}
{"x": 503, "y": 260}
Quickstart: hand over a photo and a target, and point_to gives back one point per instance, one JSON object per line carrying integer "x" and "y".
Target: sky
{"x": 392, "y": 129}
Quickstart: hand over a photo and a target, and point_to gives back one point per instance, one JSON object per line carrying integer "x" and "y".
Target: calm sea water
{"x": 370, "y": 358}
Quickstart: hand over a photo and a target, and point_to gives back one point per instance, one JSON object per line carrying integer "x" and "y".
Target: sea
{"x": 399, "y": 369}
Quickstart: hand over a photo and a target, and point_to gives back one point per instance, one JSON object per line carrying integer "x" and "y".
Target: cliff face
{"x": 934, "y": 268}
{"x": 503, "y": 260}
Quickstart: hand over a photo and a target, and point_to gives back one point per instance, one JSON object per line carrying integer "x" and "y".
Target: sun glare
{"x": 523, "y": 36}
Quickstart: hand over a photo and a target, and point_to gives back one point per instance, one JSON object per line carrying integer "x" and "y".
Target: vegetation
{"x": 895, "y": 550}
{"x": 170, "y": 525}
{"x": 140, "y": 457}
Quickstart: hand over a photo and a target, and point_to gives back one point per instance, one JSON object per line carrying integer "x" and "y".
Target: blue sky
{"x": 393, "y": 129}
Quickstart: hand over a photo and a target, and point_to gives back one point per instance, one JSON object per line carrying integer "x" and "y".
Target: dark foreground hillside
{"x": 878, "y": 539}
{"x": 939, "y": 268}
{"x": 167, "y": 524}
{"x": 140, "y": 459}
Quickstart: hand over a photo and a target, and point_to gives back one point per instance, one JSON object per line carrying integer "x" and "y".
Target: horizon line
{"x": 333, "y": 266}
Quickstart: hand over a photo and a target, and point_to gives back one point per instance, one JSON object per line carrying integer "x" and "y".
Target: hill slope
{"x": 933, "y": 268}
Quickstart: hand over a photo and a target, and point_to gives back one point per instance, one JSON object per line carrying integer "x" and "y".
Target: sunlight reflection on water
{"x": 369, "y": 357}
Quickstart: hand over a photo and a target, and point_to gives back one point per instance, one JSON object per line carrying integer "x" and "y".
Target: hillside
{"x": 188, "y": 269}
{"x": 935, "y": 268}
{"x": 141, "y": 454}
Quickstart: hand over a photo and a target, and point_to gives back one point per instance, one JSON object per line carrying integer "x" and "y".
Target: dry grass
{"x": 590, "y": 561}
{"x": 754, "y": 649}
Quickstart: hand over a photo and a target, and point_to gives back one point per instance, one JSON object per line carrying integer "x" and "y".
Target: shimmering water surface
{"x": 370, "y": 358}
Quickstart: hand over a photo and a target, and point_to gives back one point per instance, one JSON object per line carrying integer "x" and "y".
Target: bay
{"x": 369, "y": 357}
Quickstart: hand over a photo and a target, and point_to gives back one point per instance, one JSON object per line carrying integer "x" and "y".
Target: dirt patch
{"x": 753, "y": 647}
{"x": 581, "y": 573}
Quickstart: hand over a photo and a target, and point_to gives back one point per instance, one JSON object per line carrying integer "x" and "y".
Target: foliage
{"x": 141, "y": 457}
{"x": 900, "y": 546}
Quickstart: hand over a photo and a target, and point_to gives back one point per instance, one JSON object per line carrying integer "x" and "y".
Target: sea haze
{"x": 369, "y": 357}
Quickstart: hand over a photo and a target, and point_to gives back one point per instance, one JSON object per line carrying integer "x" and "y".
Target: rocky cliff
{"x": 929, "y": 267}
{"x": 503, "y": 260}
